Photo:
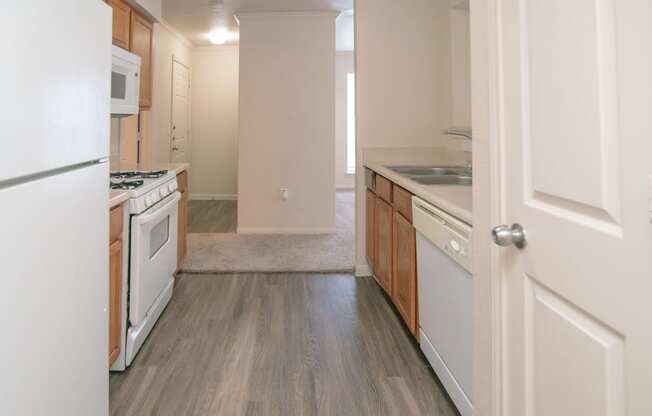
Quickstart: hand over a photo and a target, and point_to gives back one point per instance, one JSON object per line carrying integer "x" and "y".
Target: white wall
{"x": 287, "y": 122}
{"x": 460, "y": 68}
{"x": 344, "y": 64}
{"x": 214, "y": 150}
{"x": 403, "y": 82}
{"x": 167, "y": 44}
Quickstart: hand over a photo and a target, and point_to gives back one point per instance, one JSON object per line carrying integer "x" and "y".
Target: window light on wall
{"x": 350, "y": 123}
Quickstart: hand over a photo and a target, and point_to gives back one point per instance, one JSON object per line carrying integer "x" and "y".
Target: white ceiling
{"x": 195, "y": 19}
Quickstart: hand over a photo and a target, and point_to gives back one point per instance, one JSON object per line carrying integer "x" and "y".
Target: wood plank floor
{"x": 212, "y": 216}
{"x": 278, "y": 344}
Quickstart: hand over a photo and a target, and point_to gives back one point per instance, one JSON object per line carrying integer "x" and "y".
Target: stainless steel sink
{"x": 427, "y": 170}
{"x": 436, "y": 175}
{"x": 443, "y": 180}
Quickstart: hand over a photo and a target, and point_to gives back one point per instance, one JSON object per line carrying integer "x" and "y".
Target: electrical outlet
{"x": 285, "y": 194}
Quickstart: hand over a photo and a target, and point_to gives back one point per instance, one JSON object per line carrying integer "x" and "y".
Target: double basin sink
{"x": 435, "y": 175}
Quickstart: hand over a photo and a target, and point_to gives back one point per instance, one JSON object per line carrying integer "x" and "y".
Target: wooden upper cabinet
{"x": 383, "y": 244}
{"x": 141, "y": 44}
{"x": 404, "y": 286}
{"x": 370, "y": 208}
{"x": 121, "y": 23}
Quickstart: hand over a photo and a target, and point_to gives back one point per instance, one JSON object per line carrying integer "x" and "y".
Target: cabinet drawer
{"x": 370, "y": 178}
{"x": 182, "y": 181}
{"x": 384, "y": 188}
{"x": 115, "y": 224}
{"x": 403, "y": 202}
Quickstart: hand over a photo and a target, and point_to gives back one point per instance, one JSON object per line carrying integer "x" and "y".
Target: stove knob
{"x": 148, "y": 201}
{"x": 163, "y": 191}
{"x": 171, "y": 187}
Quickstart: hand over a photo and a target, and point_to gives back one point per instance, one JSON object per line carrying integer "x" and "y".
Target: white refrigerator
{"x": 54, "y": 178}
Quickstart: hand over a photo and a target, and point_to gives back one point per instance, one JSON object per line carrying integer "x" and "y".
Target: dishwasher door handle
{"x": 432, "y": 214}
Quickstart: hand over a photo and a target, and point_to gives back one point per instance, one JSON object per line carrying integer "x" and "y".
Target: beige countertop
{"x": 118, "y": 197}
{"x": 454, "y": 199}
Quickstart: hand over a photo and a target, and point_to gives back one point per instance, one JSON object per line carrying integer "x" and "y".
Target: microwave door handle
{"x": 158, "y": 212}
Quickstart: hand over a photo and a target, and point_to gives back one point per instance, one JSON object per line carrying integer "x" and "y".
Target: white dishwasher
{"x": 445, "y": 282}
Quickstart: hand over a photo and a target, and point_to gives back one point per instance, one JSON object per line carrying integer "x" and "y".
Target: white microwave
{"x": 125, "y": 82}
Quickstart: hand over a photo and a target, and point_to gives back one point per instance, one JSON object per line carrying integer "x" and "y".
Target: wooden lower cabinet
{"x": 404, "y": 285}
{"x": 383, "y": 244}
{"x": 370, "y": 209}
{"x": 115, "y": 299}
{"x": 391, "y": 248}
{"x": 115, "y": 281}
{"x": 182, "y": 248}
{"x": 182, "y": 230}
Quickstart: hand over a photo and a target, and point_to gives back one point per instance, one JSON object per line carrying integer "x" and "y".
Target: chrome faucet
{"x": 459, "y": 132}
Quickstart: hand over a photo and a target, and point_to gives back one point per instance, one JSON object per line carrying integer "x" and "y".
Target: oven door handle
{"x": 141, "y": 219}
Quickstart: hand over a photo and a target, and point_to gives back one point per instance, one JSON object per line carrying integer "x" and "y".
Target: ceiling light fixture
{"x": 218, "y": 36}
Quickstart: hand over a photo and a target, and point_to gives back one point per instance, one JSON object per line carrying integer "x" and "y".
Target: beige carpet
{"x": 229, "y": 253}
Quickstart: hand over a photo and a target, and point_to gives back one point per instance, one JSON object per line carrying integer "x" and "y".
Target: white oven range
{"x": 151, "y": 229}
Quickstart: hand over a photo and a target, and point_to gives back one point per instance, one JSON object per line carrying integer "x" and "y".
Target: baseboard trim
{"x": 363, "y": 270}
{"x": 287, "y": 231}
{"x": 214, "y": 197}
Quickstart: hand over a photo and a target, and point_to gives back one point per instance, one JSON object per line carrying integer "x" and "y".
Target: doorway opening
{"x": 261, "y": 171}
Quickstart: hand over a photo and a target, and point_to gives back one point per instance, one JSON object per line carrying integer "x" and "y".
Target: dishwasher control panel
{"x": 446, "y": 232}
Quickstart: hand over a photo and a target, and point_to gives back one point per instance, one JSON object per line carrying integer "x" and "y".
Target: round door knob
{"x": 505, "y": 236}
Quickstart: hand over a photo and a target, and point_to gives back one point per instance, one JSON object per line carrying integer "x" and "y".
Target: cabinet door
{"x": 141, "y": 45}
{"x": 369, "y": 233}
{"x": 182, "y": 230}
{"x": 115, "y": 299}
{"x": 383, "y": 244}
{"x": 404, "y": 287}
{"x": 121, "y": 23}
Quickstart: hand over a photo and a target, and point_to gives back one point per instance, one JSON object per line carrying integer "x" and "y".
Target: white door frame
{"x": 488, "y": 209}
{"x": 176, "y": 59}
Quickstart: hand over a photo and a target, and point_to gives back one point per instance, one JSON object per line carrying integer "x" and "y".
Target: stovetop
{"x": 129, "y": 180}
{"x": 134, "y": 174}
{"x": 127, "y": 185}
{"x": 144, "y": 188}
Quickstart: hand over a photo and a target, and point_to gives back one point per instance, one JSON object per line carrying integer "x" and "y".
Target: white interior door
{"x": 575, "y": 111}
{"x": 180, "y": 112}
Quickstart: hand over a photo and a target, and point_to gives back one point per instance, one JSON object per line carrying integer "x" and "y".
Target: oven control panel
{"x": 153, "y": 196}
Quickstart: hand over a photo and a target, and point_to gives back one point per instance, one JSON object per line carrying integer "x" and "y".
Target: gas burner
{"x": 127, "y": 185}
{"x": 139, "y": 174}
